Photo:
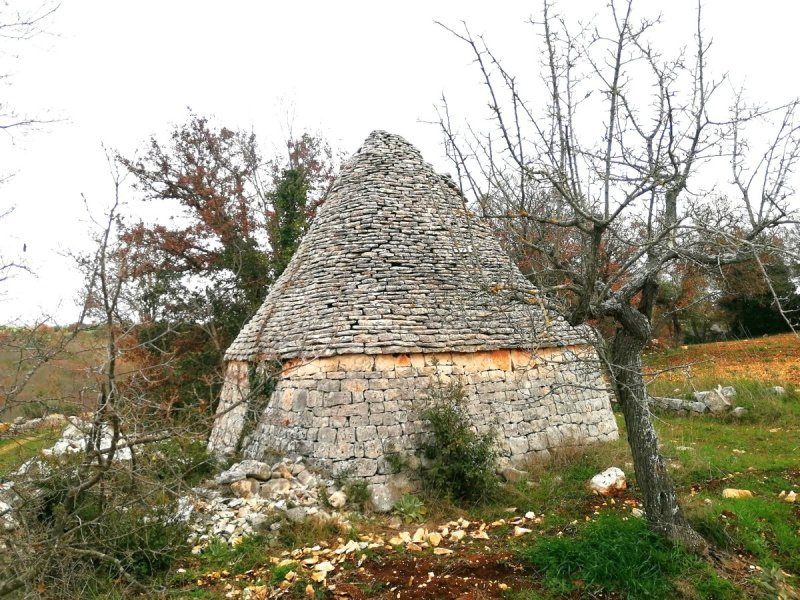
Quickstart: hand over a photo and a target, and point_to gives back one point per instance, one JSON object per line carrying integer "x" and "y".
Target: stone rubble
{"x": 74, "y": 438}
{"x": 22, "y": 425}
{"x": 252, "y": 496}
{"x": 716, "y": 401}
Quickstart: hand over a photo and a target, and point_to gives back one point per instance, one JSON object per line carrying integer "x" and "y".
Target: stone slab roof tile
{"x": 392, "y": 263}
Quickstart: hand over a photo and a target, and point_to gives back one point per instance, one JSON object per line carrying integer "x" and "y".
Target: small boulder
{"x": 245, "y": 488}
{"x": 382, "y": 498}
{"x": 297, "y": 514}
{"x": 739, "y": 411}
{"x": 777, "y": 390}
{"x": 734, "y": 493}
{"x": 257, "y": 520}
{"x": 247, "y": 468}
{"x": 306, "y": 478}
{"x": 513, "y": 475}
{"x": 275, "y": 487}
{"x": 714, "y": 400}
{"x": 608, "y": 482}
{"x": 283, "y": 471}
{"x": 337, "y": 499}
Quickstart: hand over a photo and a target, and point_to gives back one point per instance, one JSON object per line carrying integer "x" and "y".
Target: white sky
{"x": 117, "y": 71}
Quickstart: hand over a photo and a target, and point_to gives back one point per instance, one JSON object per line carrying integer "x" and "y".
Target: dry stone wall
{"x": 232, "y": 411}
{"x": 350, "y": 411}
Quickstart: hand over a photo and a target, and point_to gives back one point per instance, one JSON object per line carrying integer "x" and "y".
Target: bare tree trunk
{"x": 660, "y": 499}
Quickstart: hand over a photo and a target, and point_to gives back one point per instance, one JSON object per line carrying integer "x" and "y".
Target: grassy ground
{"x": 580, "y": 545}
{"x": 583, "y": 545}
{"x": 13, "y": 452}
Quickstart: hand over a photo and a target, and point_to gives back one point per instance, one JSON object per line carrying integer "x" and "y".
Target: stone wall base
{"x": 351, "y": 411}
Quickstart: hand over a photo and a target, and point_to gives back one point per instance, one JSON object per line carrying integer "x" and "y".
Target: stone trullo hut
{"x": 396, "y": 284}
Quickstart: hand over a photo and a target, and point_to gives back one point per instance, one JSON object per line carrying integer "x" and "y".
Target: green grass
{"x": 557, "y": 488}
{"x": 763, "y": 528}
{"x": 251, "y": 553}
{"x": 14, "y": 452}
{"x": 618, "y": 554}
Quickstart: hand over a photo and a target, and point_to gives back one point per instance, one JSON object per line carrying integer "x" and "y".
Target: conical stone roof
{"x": 394, "y": 263}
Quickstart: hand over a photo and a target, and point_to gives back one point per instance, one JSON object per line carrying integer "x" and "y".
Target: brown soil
{"x": 468, "y": 577}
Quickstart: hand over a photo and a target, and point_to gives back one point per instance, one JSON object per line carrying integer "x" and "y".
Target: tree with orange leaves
{"x": 201, "y": 273}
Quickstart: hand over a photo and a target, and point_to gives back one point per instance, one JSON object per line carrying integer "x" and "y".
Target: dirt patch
{"x": 469, "y": 577}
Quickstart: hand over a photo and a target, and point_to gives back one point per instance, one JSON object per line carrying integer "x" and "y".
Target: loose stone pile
{"x": 264, "y": 497}
{"x": 716, "y": 401}
{"x": 249, "y": 497}
{"x": 22, "y": 425}
{"x": 74, "y": 438}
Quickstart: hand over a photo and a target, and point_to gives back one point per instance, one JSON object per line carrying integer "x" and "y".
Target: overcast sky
{"x": 116, "y": 71}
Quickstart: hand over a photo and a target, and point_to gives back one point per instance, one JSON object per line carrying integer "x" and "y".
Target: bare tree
{"x": 19, "y": 23}
{"x": 604, "y": 214}
{"x": 109, "y": 504}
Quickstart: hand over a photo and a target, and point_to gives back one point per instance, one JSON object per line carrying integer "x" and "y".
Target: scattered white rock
{"x": 337, "y": 499}
{"x": 734, "y": 493}
{"x": 637, "y": 512}
{"x": 257, "y": 506}
{"x": 247, "y": 468}
{"x": 790, "y": 497}
{"x": 777, "y": 390}
{"x": 75, "y": 437}
{"x": 608, "y": 482}
{"x": 716, "y": 400}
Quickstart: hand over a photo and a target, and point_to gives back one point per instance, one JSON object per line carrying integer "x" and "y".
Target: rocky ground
{"x": 253, "y": 496}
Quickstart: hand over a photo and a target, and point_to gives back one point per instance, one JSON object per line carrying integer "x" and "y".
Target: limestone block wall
{"x": 349, "y": 411}
{"x": 232, "y": 409}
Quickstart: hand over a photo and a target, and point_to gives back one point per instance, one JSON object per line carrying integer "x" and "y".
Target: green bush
{"x": 458, "y": 463}
{"x": 357, "y": 493}
{"x": 180, "y": 461}
{"x": 120, "y": 527}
